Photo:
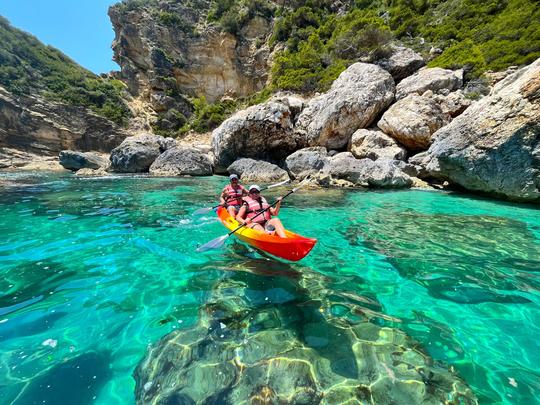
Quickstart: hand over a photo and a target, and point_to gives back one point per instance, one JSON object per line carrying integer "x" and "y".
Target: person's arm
{"x": 244, "y": 191}
{"x": 275, "y": 210}
{"x": 241, "y": 214}
{"x": 223, "y": 198}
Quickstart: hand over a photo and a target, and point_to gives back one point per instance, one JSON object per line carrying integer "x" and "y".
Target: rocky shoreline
{"x": 366, "y": 131}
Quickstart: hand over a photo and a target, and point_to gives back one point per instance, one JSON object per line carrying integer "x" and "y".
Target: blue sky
{"x": 79, "y": 28}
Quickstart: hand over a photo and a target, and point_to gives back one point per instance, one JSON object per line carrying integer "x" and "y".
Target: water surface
{"x": 92, "y": 271}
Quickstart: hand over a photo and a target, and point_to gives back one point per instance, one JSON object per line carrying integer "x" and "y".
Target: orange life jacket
{"x": 256, "y": 206}
{"x": 234, "y": 195}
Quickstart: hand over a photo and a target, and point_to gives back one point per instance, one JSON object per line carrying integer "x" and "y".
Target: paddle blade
{"x": 213, "y": 244}
{"x": 202, "y": 211}
{"x": 281, "y": 183}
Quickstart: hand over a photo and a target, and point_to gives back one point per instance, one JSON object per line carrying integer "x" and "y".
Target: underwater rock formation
{"x": 277, "y": 339}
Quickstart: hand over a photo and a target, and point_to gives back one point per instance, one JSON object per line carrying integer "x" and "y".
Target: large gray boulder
{"x": 435, "y": 79}
{"x": 257, "y": 171}
{"x": 137, "y": 153}
{"x": 263, "y": 131}
{"x": 494, "y": 146}
{"x": 382, "y": 173}
{"x": 74, "y": 160}
{"x": 180, "y": 161}
{"x": 402, "y": 63}
{"x": 354, "y": 101}
{"x": 412, "y": 120}
{"x": 306, "y": 161}
{"x": 374, "y": 144}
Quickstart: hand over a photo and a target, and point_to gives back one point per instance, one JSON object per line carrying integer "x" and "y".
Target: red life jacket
{"x": 256, "y": 206}
{"x": 234, "y": 195}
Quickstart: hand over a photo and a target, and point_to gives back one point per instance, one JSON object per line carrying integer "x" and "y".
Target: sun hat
{"x": 254, "y": 186}
{"x": 233, "y": 176}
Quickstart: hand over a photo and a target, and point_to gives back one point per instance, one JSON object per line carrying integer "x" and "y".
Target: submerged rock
{"x": 374, "y": 144}
{"x": 435, "y": 79}
{"x": 255, "y": 171}
{"x": 279, "y": 342}
{"x": 355, "y": 99}
{"x": 137, "y": 153}
{"x": 179, "y": 161}
{"x": 412, "y": 120}
{"x": 74, "y": 160}
{"x": 85, "y": 172}
{"x": 263, "y": 131}
{"x": 494, "y": 146}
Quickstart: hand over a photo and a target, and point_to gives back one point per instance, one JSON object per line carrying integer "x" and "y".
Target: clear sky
{"x": 79, "y": 28}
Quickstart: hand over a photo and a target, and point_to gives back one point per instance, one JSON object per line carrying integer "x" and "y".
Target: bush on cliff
{"x": 27, "y": 66}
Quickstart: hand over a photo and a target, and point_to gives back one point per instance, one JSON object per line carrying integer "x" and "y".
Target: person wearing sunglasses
{"x": 231, "y": 196}
{"x": 252, "y": 206}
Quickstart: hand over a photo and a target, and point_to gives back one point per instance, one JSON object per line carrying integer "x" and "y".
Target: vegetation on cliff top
{"x": 28, "y": 66}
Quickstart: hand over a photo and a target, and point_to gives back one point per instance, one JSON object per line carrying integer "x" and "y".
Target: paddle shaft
{"x": 262, "y": 212}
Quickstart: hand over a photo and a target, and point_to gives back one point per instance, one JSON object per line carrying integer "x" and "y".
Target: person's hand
{"x": 247, "y": 221}
{"x": 279, "y": 199}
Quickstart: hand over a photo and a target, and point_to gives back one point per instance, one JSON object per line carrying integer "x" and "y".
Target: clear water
{"x": 93, "y": 271}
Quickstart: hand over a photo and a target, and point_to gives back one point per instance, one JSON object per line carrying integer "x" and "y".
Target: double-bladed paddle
{"x": 219, "y": 242}
{"x": 206, "y": 210}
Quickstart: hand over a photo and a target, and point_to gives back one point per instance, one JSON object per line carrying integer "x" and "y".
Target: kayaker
{"x": 231, "y": 196}
{"x": 252, "y": 205}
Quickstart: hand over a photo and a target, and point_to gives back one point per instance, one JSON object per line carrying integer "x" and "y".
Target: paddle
{"x": 219, "y": 242}
{"x": 206, "y": 210}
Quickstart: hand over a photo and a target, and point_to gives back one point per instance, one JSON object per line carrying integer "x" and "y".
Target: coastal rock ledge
{"x": 494, "y": 146}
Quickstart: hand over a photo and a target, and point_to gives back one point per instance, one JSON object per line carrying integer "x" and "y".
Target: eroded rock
{"x": 178, "y": 161}
{"x": 374, "y": 144}
{"x": 494, "y": 146}
{"x": 74, "y": 160}
{"x": 306, "y": 161}
{"x": 435, "y": 79}
{"x": 137, "y": 153}
{"x": 257, "y": 171}
{"x": 263, "y": 131}
{"x": 412, "y": 121}
{"x": 355, "y": 99}
{"x": 402, "y": 63}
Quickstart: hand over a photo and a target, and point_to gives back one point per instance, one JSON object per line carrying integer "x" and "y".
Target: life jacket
{"x": 234, "y": 196}
{"x": 256, "y": 206}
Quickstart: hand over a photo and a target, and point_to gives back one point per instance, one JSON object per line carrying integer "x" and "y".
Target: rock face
{"x": 179, "y": 161}
{"x": 374, "y": 144}
{"x": 494, "y": 146}
{"x": 137, "y": 153}
{"x": 35, "y": 125}
{"x": 168, "y": 45}
{"x": 263, "y": 131}
{"x": 355, "y": 99}
{"x": 382, "y": 173}
{"x": 435, "y": 79}
{"x": 290, "y": 349}
{"x": 74, "y": 160}
{"x": 255, "y": 171}
{"x": 403, "y": 63}
{"x": 412, "y": 120}
{"x": 306, "y": 161}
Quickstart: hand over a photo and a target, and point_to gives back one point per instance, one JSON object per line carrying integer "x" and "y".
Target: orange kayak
{"x": 294, "y": 247}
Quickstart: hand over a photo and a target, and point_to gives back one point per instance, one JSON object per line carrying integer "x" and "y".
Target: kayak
{"x": 294, "y": 247}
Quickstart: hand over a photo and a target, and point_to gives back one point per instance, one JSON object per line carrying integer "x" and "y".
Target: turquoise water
{"x": 93, "y": 271}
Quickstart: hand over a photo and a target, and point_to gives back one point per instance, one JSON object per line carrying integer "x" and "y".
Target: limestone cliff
{"x": 166, "y": 47}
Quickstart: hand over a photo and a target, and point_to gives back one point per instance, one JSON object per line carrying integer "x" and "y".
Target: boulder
{"x": 403, "y": 62}
{"x": 137, "y": 153}
{"x": 374, "y": 144}
{"x": 494, "y": 146}
{"x": 257, "y": 171}
{"x": 453, "y": 104}
{"x": 263, "y": 131}
{"x": 180, "y": 161}
{"x": 295, "y": 102}
{"x": 420, "y": 161}
{"x": 382, "y": 173}
{"x": 306, "y": 161}
{"x": 354, "y": 101}
{"x": 412, "y": 120}
{"x": 435, "y": 79}
{"x": 74, "y": 160}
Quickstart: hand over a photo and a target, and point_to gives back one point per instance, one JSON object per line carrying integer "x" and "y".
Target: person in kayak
{"x": 252, "y": 205}
{"x": 231, "y": 196}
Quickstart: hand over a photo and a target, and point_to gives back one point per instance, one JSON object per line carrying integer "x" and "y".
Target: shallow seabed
{"x": 93, "y": 271}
